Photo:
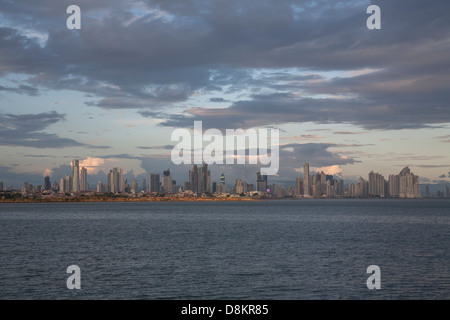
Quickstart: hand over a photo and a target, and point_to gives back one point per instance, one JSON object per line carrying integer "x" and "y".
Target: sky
{"x": 345, "y": 98}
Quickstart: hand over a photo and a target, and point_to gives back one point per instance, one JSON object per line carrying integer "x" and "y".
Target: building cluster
{"x": 316, "y": 185}
{"x": 402, "y": 185}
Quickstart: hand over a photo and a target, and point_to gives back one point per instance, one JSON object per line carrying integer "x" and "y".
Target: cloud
{"x": 330, "y": 170}
{"x": 92, "y": 165}
{"x": 215, "y": 99}
{"x": 26, "y": 130}
{"x": 21, "y": 89}
{"x": 392, "y": 79}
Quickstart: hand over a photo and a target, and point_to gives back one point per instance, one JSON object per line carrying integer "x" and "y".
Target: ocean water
{"x": 278, "y": 249}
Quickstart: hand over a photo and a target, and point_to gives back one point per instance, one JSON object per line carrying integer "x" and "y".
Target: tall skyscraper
{"x": 61, "y": 185}
{"x": 298, "y": 186}
{"x": 1, "y": 186}
{"x": 83, "y": 180}
{"x": 134, "y": 186}
{"x": 306, "y": 184}
{"x": 76, "y": 176}
{"x": 409, "y": 184}
{"x": 114, "y": 180}
{"x": 195, "y": 179}
{"x": 68, "y": 184}
{"x": 120, "y": 180}
{"x": 206, "y": 179}
{"x": 261, "y": 182}
{"x": 394, "y": 185}
{"x": 47, "y": 184}
{"x": 153, "y": 183}
{"x": 166, "y": 182}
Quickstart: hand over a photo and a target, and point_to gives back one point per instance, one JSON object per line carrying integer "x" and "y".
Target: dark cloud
{"x": 277, "y": 109}
{"x": 26, "y": 130}
{"x": 165, "y": 147}
{"x": 151, "y": 54}
{"x": 21, "y": 89}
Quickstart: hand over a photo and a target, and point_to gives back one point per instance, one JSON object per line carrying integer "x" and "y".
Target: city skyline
{"x": 319, "y": 184}
{"x": 346, "y": 98}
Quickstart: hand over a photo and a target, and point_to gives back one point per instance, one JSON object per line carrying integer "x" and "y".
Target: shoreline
{"x": 123, "y": 199}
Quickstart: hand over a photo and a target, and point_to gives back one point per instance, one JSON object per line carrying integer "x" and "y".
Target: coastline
{"x": 123, "y": 199}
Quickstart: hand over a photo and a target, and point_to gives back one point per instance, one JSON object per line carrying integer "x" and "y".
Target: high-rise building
{"x": 166, "y": 183}
{"x": 134, "y": 186}
{"x": 394, "y": 185}
{"x": 261, "y": 182}
{"x": 144, "y": 185}
{"x": 206, "y": 179}
{"x": 100, "y": 187}
{"x": 409, "y": 184}
{"x": 114, "y": 180}
{"x": 47, "y": 184}
{"x": 83, "y": 180}
{"x": 377, "y": 185}
{"x": 306, "y": 181}
{"x": 120, "y": 180}
{"x": 195, "y": 178}
{"x": 239, "y": 187}
{"x": 76, "y": 176}
{"x": 1, "y": 186}
{"x": 298, "y": 186}
{"x": 68, "y": 184}
{"x": 154, "y": 183}
{"x": 222, "y": 179}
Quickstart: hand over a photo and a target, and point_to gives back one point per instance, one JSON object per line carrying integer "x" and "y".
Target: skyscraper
{"x": 120, "y": 180}
{"x": 167, "y": 181}
{"x": 47, "y": 184}
{"x": 83, "y": 180}
{"x": 298, "y": 186}
{"x": 1, "y": 186}
{"x": 206, "y": 179}
{"x": 68, "y": 184}
{"x": 394, "y": 185}
{"x": 261, "y": 182}
{"x": 194, "y": 179}
{"x": 153, "y": 182}
{"x": 409, "y": 184}
{"x": 306, "y": 184}
{"x": 134, "y": 186}
{"x": 114, "y": 180}
{"x": 76, "y": 176}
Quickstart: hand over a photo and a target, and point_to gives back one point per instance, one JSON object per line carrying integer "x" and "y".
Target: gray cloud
{"x": 21, "y": 89}
{"x": 212, "y": 46}
{"x": 26, "y": 130}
